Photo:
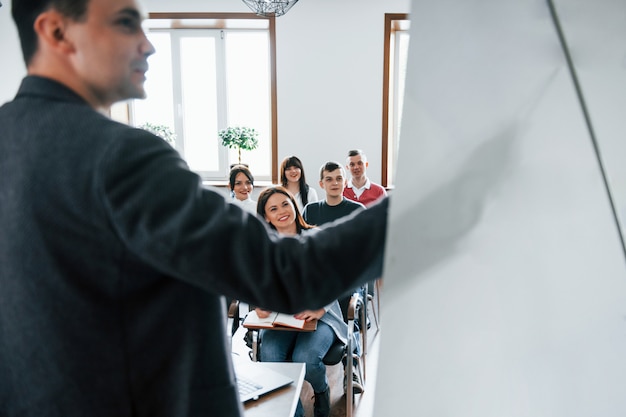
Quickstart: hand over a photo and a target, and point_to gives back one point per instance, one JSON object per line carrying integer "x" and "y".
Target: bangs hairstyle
{"x": 294, "y": 161}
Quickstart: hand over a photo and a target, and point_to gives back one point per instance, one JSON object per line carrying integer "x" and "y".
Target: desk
{"x": 309, "y": 326}
{"x": 252, "y": 321}
{"x": 283, "y": 401}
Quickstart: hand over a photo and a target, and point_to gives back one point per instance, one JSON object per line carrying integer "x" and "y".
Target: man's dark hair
{"x": 330, "y": 167}
{"x": 357, "y": 152}
{"x": 25, "y": 13}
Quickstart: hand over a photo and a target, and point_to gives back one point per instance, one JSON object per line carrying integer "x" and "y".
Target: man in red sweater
{"x": 359, "y": 188}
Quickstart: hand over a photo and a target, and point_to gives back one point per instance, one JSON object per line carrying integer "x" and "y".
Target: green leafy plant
{"x": 239, "y": 138}
{"x": 161, "y": 131}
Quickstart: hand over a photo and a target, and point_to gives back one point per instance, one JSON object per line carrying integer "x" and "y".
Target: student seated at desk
{"x": 278, "y": 207}
{"x": 241, "y": 184}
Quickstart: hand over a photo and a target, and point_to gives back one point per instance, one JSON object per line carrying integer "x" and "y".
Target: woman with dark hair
{"x": 278, "y": 207}
{"x": 289, "y": 223}
{"x": 241, "y": 184}
{"x": 293, "y": 179}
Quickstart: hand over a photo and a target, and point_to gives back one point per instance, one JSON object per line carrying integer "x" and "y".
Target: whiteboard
{"x": 505, "y": 280}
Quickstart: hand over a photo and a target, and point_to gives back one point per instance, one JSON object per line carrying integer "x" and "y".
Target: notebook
{"x": 254, "y": 379}
{"x": 252, "y": 320}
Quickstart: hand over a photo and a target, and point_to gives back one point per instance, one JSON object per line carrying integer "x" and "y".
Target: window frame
{"x": 392, "y": 20}
{"x": 221, "y": 21}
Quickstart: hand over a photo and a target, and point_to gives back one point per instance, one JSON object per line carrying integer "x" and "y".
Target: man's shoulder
{"x": 314, "y": 205}
{"x": 374, "y": 192}
{"x": 312, "y": 213}
{"x": 47, "y": 89}
{"x": 351, "y": 204}
{"x": 47, "y": 107}
{"x": 378, "y": 187}
{"x": 312, "y": 209}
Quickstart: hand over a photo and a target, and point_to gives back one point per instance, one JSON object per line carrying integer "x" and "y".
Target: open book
{"x": 273, "y": 320}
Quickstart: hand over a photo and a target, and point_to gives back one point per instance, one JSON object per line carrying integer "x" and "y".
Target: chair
{"x": 234, "y": 318}
{"x": 337, "y": 352}
{"x": 372, "y": 296}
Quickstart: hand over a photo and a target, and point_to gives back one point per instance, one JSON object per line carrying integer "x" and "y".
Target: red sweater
{"x": 369, "y": 195}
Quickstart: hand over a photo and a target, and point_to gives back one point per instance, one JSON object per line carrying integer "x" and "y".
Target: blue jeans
{"x": 307, "y": 347}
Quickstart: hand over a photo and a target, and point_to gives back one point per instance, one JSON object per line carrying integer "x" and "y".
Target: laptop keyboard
{"x": 246, "y": 386}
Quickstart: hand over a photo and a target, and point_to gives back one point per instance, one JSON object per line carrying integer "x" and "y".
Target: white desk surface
{"x": 283, "y": 401}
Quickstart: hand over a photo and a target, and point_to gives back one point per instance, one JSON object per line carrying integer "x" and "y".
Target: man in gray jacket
{"x": 113, "y": 257}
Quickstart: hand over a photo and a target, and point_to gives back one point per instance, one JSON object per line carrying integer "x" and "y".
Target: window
{"x": 396, "y": 54}
{"x": 210, "y": 72}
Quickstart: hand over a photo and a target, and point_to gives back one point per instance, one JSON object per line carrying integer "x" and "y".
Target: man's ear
{"x": 50, "y": 27}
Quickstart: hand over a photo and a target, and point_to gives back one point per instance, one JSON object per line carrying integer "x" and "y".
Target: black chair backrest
{"x": 335, "y": 353}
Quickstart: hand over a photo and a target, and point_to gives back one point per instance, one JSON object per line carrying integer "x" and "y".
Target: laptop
{"x": 254, "y": 379}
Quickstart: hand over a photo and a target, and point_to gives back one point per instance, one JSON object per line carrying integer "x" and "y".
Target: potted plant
{"x": 239, "y": 138}
{"x": 162, "y": 131}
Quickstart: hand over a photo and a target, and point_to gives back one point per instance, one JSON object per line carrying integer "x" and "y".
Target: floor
{"x": 363, "y": 403}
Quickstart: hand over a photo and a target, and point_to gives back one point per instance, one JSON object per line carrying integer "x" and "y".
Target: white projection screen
{"x": 505, "y": 277}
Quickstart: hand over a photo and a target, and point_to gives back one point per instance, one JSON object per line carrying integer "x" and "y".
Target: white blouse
{"x": 312, "y": 198}
{"x": 248, "y": 204}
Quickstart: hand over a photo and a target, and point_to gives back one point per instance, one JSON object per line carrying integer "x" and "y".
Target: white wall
{"x": 12, "y": 66}
{"x": 329, "y": 74}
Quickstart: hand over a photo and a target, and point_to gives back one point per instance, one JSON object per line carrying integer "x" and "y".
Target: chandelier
{"x": 270, "y": 7}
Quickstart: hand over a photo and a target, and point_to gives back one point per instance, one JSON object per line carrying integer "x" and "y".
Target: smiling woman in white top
{"x": 293, "y": 179}
{"x": 241, "y": 184}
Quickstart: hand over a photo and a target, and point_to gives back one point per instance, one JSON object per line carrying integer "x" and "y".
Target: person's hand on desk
{"x": 306, "y": 315}
{"x": 263, "y": 314}
{"x": 309, "y": 315}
